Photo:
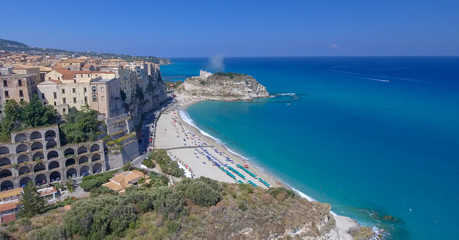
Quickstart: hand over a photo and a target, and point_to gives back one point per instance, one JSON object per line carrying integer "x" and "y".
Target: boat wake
{"x": 280, "y": 98}
{"x": 378, "y": 80}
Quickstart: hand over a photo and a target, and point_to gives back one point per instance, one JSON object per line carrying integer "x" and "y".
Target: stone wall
{"x": 37, "y": 155}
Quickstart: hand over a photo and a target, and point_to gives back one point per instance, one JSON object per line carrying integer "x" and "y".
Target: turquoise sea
{"x": 372, "y": 136}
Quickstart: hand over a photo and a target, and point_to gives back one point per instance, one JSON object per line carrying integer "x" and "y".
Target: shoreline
{"x": 344, "y": 224}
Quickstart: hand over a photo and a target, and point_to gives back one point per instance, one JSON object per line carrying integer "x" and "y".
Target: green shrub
{"x": 158, "y": 180}
{"x": 80, "y": 126}
{"x": 243, "y": 206}
{"x": 165, "y": 162}
{"x": 91, "y": 182}
{"x": 88, "y": 185}
{"x": 51, "y": 232}
{"x": 275, "y": 191}
{"x": 202, "y": 194}
{"x": 173, "y": 226}
{"x": 148, "y": 163}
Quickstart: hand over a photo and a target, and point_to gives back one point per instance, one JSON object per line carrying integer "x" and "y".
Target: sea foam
{"x": 186, "y": 118}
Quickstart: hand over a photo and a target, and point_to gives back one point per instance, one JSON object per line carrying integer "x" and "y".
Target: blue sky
{"x": 238, "y": 28}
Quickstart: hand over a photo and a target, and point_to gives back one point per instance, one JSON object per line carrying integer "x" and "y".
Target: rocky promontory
{"x": 224, "y": 86}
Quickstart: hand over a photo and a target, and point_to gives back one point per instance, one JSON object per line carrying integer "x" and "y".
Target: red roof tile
{"x": 8, "y": 218}
{"x": 8, "y": 206}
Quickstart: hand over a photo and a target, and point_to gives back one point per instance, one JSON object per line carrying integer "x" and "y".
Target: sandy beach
{"x": 204, "y": 156}
{"x": 200, "y": 154}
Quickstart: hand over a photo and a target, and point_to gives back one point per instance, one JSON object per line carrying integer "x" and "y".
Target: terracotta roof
{"x": 48, "y": 192}
{"x": 55, "y": 81}
{"x": 74, "y": 61}
{"x": 10, "y": 193}
{"x": 67, "y": 75}
{"x": 8, "y": 218}
{"x": 24, "y": 67}
{"x": 88, "y": 65}
{"x": 8, "y": 206}
{"x": 45, "y": 69}
{"x": 112, "y": 185}
{"x": 62, "y": 71}
{"x": 125, "y": 179}
{"x": 90, "y": 72}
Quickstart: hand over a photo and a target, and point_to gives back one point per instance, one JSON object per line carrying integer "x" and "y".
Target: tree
{"x": 69, "y": 185}
{"x": 13, "y": 111}
{"x": 35, "y": 114}
{"x": 127, "y": 166}
{"x": 202, "y": 193}
{"x": 31, "y": 202}
{"x": 80, "y": 125}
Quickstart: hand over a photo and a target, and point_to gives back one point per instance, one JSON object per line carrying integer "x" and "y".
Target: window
{"x": 63, "y": 110}
{"x": 85, "y": 99}
{"x": 55, "y": 95}
{"x": 42, "y": 96}
{"x": 59, "y": 78}
{"x": 85, "y": 90}
{"x": 102, "y": 98}
{"x": 21, "y": 94}
{"x": 6, "y": 94}
{"x": 54, "y": 103}
{"x": 63, "y": 90}
{"x": 101, "y": 89}
{"x": 94, "y": 98}
{"x": 74, "y": 100}
{"x": 64, "y": 100}
{"x": 74, "y": 90}
{"x": 94, "y": 89}
{"x": 20, "y": 83}
{"x": 5, "y": 83}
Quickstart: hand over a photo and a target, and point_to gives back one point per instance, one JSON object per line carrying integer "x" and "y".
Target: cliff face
{"x": 228, "y": 86}
{"x": 151, "y": 97}
{"x": 152, "y": 100}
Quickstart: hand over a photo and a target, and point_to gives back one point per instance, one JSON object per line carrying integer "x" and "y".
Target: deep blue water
{"x": 370, "y": 136}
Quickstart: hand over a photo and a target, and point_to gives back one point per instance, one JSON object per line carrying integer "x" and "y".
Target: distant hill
{"x": 8, "y": 45}
{"x": 14, "y": 46}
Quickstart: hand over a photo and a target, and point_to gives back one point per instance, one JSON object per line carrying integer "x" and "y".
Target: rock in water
{"x": 227, "y": 86}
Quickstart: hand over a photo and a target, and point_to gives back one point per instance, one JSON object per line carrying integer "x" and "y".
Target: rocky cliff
{"x": 148, "y": 98}
{"x": 227, "y": 86}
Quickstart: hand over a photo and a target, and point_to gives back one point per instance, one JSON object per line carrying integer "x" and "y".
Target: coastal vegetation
{"x": 229, "y": 74}
{"x": 148, "y": 163}
{"x": 91, "y": 182}
{"x": 80, "y": 126}
{"x": 166, "y": 164}
{"x": 24, "y": 115}
{"x": 193, "y": 209}
{"x": 31, "y": 202}
{"x": 173, "y": 85}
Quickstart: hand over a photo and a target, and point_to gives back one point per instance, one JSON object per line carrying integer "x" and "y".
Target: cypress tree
{"x": 31, "y": 202}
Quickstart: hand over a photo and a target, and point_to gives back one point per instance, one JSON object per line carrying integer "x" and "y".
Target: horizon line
{"x": 319, "y": 56}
